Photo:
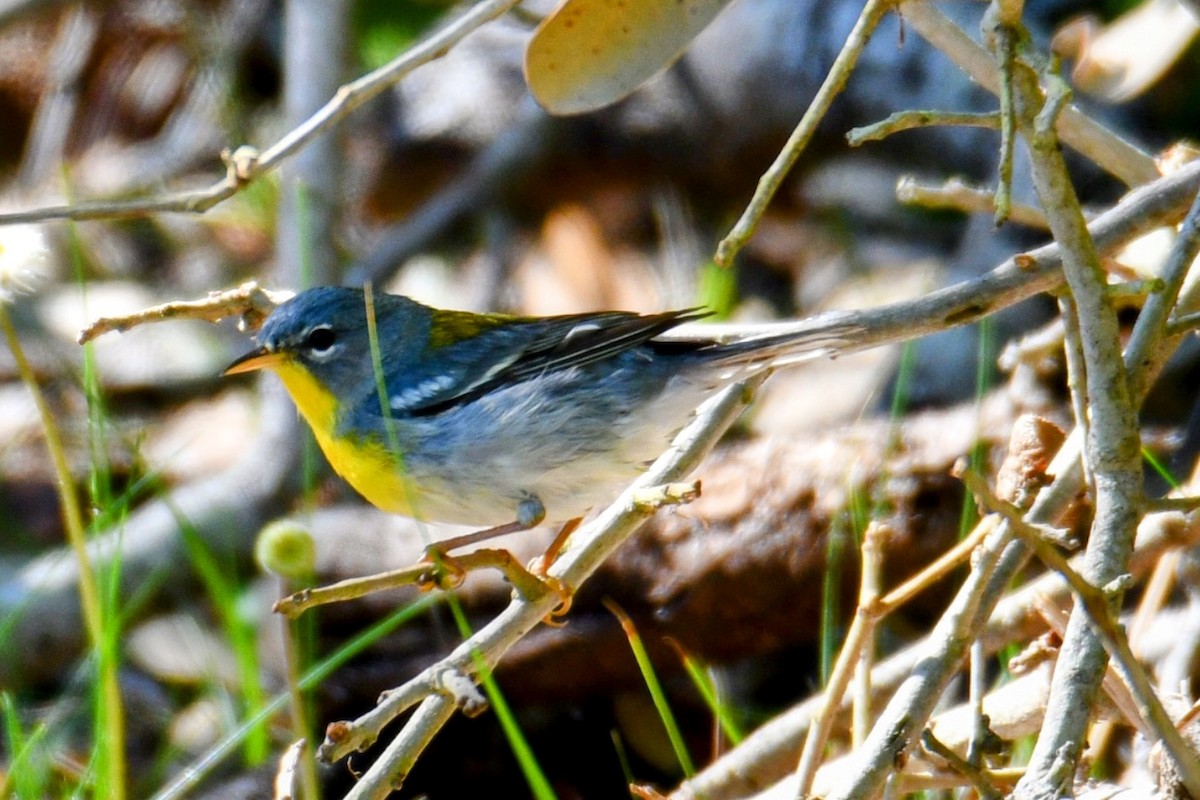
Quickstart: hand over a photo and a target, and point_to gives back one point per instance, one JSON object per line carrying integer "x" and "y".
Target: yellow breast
{"x": 365, "y": 463}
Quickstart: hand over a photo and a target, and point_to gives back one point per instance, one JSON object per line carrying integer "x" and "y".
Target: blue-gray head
{"x": 325, "y": 331}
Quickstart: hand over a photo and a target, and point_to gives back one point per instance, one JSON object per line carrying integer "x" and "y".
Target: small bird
{"x": 491, "y": 419}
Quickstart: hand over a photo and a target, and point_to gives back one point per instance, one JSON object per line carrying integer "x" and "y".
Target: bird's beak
{"x": 258, "y": 358}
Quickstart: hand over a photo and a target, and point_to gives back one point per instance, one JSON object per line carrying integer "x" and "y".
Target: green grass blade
{"x": 240, "y": 633}
{"x": 674, "y": 734}
{"x": 539, "y": 785}
{"x": 1159, "y": 468}
{"x": 707, "y": 687}
{"x": 199, "y": 769}
{"x": 27, "y": 774}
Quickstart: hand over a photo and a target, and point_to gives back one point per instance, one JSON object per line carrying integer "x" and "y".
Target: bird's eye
{"x": 319, "y": 340}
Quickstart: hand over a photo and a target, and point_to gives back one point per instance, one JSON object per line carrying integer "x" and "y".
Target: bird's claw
{"x": 444, "y": 572}
{"x": 566, "y": 596}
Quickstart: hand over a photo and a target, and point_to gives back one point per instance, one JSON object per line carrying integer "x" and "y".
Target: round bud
{"x": 285, "y": 547}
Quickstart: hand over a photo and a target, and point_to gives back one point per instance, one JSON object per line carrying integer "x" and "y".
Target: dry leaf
{"x": 590, "y": 53}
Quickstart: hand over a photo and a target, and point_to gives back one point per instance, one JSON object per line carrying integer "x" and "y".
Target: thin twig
{"x": 898, "y": 726}
{"x": 871, "y": 587}
{"x": 247, "y": 164}
{"x": 832, "y": 86}
{"x": 1076, "y": 372}
{"x": 1102, "y": 146}
{"x": 1184, "y": 323}
{"x": 975, "y": 776}
{"x": 958, "y": 195}
{"x": 249, "y": 302}
{"x": 1004, "y": 49}
{"x": 910, "y": 120}
{"x": 769, "y": 753}
{"x": 1056, "y": 618}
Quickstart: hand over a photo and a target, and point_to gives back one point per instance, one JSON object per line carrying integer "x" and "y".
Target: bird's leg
{"x": 546, "y": 560}
{"x": 529, "y": 513}
{"x": 449, "y": 571}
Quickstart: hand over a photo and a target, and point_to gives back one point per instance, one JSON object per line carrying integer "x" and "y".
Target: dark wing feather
{"x": 549, "y": 344}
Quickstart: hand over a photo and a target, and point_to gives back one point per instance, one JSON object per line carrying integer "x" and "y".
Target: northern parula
{"x": 483, "y": 419}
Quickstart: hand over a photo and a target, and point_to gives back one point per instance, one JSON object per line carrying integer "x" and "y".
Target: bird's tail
{"x": 776, "y": 344}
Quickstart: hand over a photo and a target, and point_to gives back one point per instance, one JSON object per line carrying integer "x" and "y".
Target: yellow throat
{"x": 364, "y": 461}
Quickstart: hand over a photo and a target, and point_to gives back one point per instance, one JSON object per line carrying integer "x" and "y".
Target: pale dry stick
{"x": 1184, "y": 323}
{"x": 1105, "y": 148}
{"x": 943, "y": 650}
{"x": 1184, "y": 504}
{"x": 901, "y": 722}
{"x": 1161, "y": 203}
{"x": 974, "y": 775}
{"x": 866, "y": 617}
{"x": 912, "y": 702}
{"x": 1118, "y": 693}
{"x": 831, "y": 87}
{"x": 247, "y": 164}
{"x": 1095, "y": 605}
{"x": 909, "y": 782}
{"x": 1083, "y": 134}
{"x": 769, "y": 752}
{"x": 956, "y": 194}
{"x": 1014, "y": 707}
{"x": 1142, "y": 210}
{"x": 977, "y": 685}
{"x": 287, "y": 776}
{"x": 388, "y": 772}
{"x": 1112, "y": 444}
{"x": 1154, "y": 598}
{"x": 249, "y": 302}
{"x": 1002, "y": 23}
{"x": 1135, "y": 696}
{"x": 1044, "y": 548}
{"x": 1076, "y": 366}
{"x": 870, "y": 588}
{"x": 1151, "y": 340}
{"x": 595, "y": 542}
{"x": 437, "y": 572}
{"x": 911, "y": 120}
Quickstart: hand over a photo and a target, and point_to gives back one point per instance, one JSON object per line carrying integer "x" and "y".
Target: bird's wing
{"x": 521, "y": 350}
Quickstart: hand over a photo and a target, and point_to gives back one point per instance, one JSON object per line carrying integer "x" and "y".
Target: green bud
{"x": 285, "y": 548}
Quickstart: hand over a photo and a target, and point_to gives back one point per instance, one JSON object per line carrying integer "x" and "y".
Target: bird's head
{"x": 324, "y": 331}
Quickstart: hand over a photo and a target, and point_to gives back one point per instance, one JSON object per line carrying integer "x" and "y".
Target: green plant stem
{"x": 89, "y": 594}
